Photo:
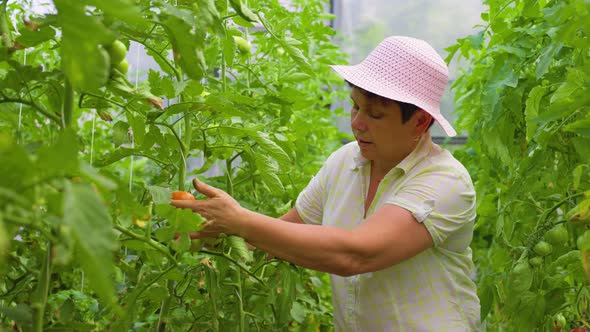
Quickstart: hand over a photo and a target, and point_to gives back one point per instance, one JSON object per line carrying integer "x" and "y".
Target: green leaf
{"x": 61, "y": 157}
{"x": 30, "y": 38}
{"x": 137, "y": 123}
{"x": 581, "y": 127}
{"x": 90, "y": 225}
{"x": 121, "y": 133}
{"x": 85, "y": 63}
{"x": 181, "y": 220}
{"x": 20, "y": 314}
{"x": 532, "y": 110}
{"x": 67, "y": 310}
{"x": 124, "y": 10}
{"x": 16, "y": 162}
{"x": 283, "y": 292}
{"x": 114, "y": 156}
{"x": 160, "y": 195}
{"x": 182, "y": 243}
{"x": 530, "y": 311}
{"x": 546, "y": 58}
{"x": 4, "y": 241}
{"x": 297, "y": 55}
{"x": 243, "y": 10}
{"x": 298, "y": 312}
{"x": 268, "y": 171}
{"x": 239, "y": 249}
{"x": 578, "y": 173}
{"x": 179, "y": 25}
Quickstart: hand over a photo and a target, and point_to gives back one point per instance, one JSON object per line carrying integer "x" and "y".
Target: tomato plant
{"x": 523, "y": 101}
{"x": 87, "y": 235}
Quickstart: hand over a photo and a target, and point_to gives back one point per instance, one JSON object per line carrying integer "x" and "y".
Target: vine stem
{"x": 149, "y": 241}
{"x": 68, "y": 104}
{"x": 242, "y": 267}
{"x": 40, "y": 294}
{"x": 50, "y": 116}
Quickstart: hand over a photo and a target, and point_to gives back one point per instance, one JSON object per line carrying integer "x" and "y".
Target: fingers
{"x": 184, "y": 204}
{"x": 205, "y": 189}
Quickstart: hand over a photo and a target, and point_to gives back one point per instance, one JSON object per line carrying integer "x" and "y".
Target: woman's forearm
{"x": 322, "y": 248}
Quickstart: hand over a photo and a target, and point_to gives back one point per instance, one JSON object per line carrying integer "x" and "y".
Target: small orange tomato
{"x": 183, "y": 195}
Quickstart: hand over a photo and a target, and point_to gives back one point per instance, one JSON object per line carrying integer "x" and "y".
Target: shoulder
{"x": 441, "y": 163}
{"x": 344, "y": 155}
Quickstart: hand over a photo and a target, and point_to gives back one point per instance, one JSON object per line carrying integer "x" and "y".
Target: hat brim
{"x": 353, "y": 74}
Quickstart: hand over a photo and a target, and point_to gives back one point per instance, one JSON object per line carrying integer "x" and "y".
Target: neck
{"x": 380, "y": 167}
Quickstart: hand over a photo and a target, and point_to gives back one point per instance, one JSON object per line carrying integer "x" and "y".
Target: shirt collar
{"x": 420, "y": 152}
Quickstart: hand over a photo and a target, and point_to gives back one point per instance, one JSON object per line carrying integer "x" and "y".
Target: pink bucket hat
{"x": 403, "y": 69}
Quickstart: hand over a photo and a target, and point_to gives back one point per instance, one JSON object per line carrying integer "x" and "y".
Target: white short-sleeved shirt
{"x": 432, "y": 291}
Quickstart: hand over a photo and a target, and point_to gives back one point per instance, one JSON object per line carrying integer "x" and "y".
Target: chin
{"x": 367, "y": 154}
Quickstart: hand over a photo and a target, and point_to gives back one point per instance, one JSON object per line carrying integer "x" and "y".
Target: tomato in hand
{"x": 183, "y": 196}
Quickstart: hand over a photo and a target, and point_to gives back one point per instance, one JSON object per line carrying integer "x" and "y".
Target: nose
{"x": 357, "y": 120}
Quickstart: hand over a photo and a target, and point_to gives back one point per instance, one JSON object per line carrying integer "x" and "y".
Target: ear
{"x": 422, "y": 121}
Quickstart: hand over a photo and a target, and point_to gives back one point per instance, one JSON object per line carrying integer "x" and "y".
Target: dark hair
{"x": 407, "y": 109}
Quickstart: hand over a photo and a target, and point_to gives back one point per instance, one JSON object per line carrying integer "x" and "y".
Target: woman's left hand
{"x": 222, "y": 212}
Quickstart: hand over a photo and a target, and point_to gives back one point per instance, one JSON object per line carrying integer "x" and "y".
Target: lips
{"x": 363, "y": 143}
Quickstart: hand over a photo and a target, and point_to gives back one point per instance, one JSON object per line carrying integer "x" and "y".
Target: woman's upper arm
{"x": 292, "y": 216}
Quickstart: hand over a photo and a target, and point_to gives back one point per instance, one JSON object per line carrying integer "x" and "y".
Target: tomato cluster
{"x": 118, "y": 52}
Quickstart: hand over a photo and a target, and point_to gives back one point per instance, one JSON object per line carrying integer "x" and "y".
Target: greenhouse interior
{"x": 295, "y": 165}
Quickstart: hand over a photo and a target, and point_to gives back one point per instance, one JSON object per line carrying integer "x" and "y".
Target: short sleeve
{"x": 444, "y": 202}
{"x": 310, "y": 202}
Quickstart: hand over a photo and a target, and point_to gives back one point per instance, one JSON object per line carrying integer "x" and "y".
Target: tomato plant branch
{"x": 165, "y": 308}
{"x": 159, "y": 54}
{"x": 242, "y": 267}
{"x": 39, "y": 296}
{"x": 173, "y": 131}
{"x": 68, "y": 104}
{"x": 33, "y": 105}
{"x": 99, "y": 97}
{"x": 156, "y": 245}
{"x": 24, "y": 222}
{"x": 5, "y": 31}
{"x": 557, "y": 205}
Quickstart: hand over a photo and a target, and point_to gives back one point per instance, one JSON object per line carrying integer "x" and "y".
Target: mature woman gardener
{"x": 389, "y": 216}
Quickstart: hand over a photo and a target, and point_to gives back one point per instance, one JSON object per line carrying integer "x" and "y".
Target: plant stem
{"x": 242, "y": 267}
{"x": 165, "y": 308}
{"x": 149, "y": 241}
{"x": 52, "y": 117}
{"x": 39, "y": 299}
{"x": 68, "y": 104}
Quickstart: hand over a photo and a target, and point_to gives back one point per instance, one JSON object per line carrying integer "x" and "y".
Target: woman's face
{"x": 378, "y": 129}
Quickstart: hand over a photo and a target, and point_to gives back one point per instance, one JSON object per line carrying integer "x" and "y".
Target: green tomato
{"x": 122, "y": 66}
{"x": 557, "y": 235}
{"x": 196, "y": 245}
{"x": 542, "y": 248}
{"x": 117, "y": 51}
{"x": 536, "y": 261}
{"x": 560, "y": 320}
{"x": 583, "y": 241}
{"x": 243, "y": 45}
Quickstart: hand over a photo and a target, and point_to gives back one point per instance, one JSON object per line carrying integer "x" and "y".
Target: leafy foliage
{"x": 90, "y": 157}
{"x": 524, "y": 102}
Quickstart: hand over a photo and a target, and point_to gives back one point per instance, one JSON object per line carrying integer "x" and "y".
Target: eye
{"x": 375, "y": 116}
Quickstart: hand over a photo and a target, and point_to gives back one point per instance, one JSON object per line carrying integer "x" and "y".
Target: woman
{"x": 389, "y": 216}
